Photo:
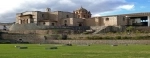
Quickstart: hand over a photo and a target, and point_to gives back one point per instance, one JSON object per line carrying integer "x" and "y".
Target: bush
{"x": 147, "y": 37}
{"x": 64, "y": 37}
{"x": 53, "y": 48}
{"x": 23, "y": 47}
{"x": 95, "y": 38}
{"x": 68, "y": 44}
{"x": 118, "y": 37}
{"x": 107, "y": 37}
{"x": 86, "y": 32}
{"x": 138, "y": 37}
{"x": 125, "y": 37}
{"x": 54, "y": 36}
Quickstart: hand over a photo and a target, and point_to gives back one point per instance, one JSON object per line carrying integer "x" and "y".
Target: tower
{"x": 82, "y": 13}
{"x": 48, "y": 10}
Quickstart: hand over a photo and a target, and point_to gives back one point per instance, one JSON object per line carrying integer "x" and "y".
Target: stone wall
{"x": 33, "y": 38}
{"x": 99, "y": 41}
{"x": 32, "y": 32}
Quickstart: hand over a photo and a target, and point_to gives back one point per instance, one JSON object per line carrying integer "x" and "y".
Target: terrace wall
{"x": 32, "y": 38}
{"x": 99, "y": 41}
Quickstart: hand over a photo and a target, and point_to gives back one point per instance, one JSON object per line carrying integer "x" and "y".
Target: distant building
{"x": 81, "y": 17}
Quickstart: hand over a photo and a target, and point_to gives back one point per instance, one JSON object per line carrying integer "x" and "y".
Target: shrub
{"x": 94, "y": 38}
{"x": 68, "y": 44}
{"x": 54, "y": 36}
{"x": 138, "y": 37}
{"x": 126, "y": 37}
{"x": 64, "y": 37}
{"x": 118, "y": 37}
{"x": 107, "y": 37}
{"x": 86, "y": 32}
{"x": 23, "y": 47}
{"x": 147, "y": 37}
{"x": 53, "y": 48}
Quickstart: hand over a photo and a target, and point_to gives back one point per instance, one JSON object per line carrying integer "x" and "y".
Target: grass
{"x": 93, "y": 51}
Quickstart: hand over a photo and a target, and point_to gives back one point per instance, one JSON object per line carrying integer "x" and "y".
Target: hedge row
{"x": 118, "y": 38}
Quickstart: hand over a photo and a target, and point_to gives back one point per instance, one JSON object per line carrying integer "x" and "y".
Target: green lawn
{"x": 93, "y": 51}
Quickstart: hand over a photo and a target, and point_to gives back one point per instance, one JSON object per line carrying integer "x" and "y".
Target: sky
{"x": 9, "y": 8}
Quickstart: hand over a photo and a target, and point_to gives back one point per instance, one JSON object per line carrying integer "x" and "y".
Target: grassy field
{"x": 75, "y": 51}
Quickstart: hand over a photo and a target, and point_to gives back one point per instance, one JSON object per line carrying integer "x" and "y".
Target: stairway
{"x": 99, "y": 29}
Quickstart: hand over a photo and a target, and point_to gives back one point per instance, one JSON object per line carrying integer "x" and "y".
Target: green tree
{"x": 130, "y": 29}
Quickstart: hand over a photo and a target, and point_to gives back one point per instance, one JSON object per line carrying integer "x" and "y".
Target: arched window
{"x": 42, "y": 15}
{"x": 67, "y": 16}
{"x": 84, "y": 16}
{"x": 43, "y": 23}
{"x": 53, "y": 24}
{"x": 78, "y": 16}
{"x": 107, "y": 19}
{"x": 123, "y": 18}
{"x": 80, "y": 24}
{"x": 65, "y": 21}
{"x": 65, "y": 24}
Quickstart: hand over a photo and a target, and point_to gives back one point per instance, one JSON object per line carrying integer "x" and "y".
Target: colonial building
{"x": 56, "y": 18}
{"x": 81, "y": 17}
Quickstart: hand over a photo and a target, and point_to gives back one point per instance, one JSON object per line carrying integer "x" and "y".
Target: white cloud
{"x": 126, "y": 7}
{"x": 8, "y": 5}
{"x": 66, "y": 2}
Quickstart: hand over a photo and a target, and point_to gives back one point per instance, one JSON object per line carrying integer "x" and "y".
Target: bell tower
{"x": 82, "y": 13}
{"x": 48, "y": 10}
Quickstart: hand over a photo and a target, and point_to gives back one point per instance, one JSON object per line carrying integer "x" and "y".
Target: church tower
{"x": 82, "y": 13}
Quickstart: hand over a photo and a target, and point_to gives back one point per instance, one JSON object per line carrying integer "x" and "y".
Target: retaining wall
{"x": 99, "y": 41}
{"x": 33, "y": 38}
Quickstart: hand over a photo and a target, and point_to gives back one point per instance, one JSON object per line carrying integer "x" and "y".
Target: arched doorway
{"x": 80, "y": 24}
{"x": 53, "y": 24}
{"x": 65, "y": 24}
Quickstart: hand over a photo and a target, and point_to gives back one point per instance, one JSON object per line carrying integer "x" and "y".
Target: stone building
{"x": 79, "y": 17}
{"x": 56, "y": 18}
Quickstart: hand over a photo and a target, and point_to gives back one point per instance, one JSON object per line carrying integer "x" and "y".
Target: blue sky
{"x": 139, "y": 6}
{"x": 9, "y": 9}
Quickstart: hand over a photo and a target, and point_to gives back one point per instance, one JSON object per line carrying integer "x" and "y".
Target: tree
{"x": 130, "y": 29}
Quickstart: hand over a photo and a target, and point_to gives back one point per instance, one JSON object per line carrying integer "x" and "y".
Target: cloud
{"x": 126, "y": 7}
{"x": 95, "y": 6}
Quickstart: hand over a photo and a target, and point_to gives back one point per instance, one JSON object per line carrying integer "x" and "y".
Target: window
{"x": 43, "y": 23}
{"x": 123, "y": 18}
{"x": 65, "y": 24}
{"x": 84, "y": 16}
{"x": 53, "y": 24}
{"x": 65, "y": 21}
{"x": 31, "y": 16}
{"x": 80, "y": 24}
{"x": 107, "y": 19}
{"x": 78, "y": 16}
{"x": 67, "y": 16}
{"x": 42, "y": 15}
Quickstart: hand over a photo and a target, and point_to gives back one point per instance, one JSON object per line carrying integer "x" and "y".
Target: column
{"x": 19, "y": 22}
{"x": 148, "y": 17}
{"x": 29, "y": 21}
